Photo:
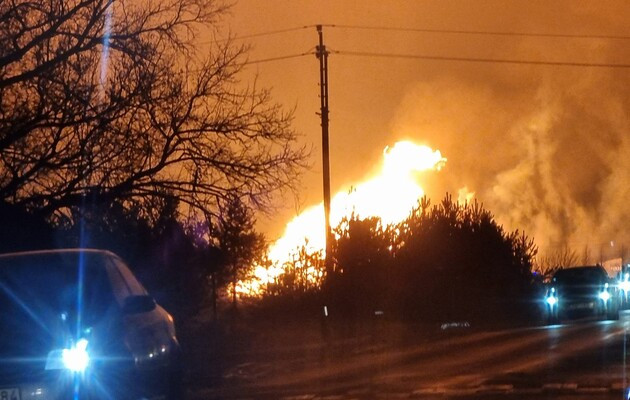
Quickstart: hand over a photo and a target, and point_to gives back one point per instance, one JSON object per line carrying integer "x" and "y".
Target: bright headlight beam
{"x": 76, "y": 359}
{"x": 605, "y": 296}
{"x": 552, "y": 300}
{"x": 625, "y": 286}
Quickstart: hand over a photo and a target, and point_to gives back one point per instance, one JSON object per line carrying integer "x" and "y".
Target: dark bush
{"x": 21, "y": 230}
{"x": 447, "y": 262}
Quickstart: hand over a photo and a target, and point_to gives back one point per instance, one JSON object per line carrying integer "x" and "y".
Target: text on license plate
{"x": 10, "y": 394}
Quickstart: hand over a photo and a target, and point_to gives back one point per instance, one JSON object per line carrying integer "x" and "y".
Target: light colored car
{"x": 77, "y": 324}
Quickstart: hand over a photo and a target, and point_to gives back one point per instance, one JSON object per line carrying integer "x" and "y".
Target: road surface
{"x": 583, "y": 357}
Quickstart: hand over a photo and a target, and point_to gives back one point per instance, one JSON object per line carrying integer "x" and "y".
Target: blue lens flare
{"x": 24, "y": 307}
{"x": 107, "y": 30}
{"x": 80, "y": 279}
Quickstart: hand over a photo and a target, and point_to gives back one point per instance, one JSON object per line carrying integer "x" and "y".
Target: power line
{"x": 424, "y": 30}
{"x": 474, "y": 32}
{"x": 264, "y": 60}
{"x": 479, "y": 60}
{"x": 260, "y": 34}
{"x": 258, "y": 61}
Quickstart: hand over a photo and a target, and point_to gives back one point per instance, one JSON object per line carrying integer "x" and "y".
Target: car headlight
{"x": 551, "y": 298}
{"x": 625, "y": 285}
{"x": 604, "y": 294}
{"x": 76, "y": 358}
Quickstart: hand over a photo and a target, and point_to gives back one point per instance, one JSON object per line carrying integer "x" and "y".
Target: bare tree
{"x": 113, "y": 100}
{"x": 586, "y": 256}
{"x": 562, "y": 258}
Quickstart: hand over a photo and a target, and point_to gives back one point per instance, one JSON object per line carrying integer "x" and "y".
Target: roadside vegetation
{"x": 445, "y": 262}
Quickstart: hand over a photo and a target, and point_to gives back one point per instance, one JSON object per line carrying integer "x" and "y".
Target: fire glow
{"x": 390, "y": 195}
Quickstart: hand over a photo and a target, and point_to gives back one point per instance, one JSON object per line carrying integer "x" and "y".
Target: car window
{"x": 48, "y": 285}
{"x": 576, "y": 275}
{"x": 134, "y": 287}
{"x": 120, "y": 288}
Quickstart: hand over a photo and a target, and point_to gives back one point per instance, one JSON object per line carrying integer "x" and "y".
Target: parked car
{"x": 77, "y": 324}
{"x": 582, "y": 291}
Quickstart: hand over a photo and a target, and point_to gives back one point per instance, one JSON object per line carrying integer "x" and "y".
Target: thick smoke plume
{"x": 548, "y": 152}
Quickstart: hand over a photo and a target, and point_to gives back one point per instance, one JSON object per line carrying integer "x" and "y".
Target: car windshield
{"x": 579, "y": 275}
{"x": 54, "y": 285}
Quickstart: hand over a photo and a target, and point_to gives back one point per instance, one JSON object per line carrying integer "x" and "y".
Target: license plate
{"x": 578, "y": 306}
{"x": 10, "y": 394}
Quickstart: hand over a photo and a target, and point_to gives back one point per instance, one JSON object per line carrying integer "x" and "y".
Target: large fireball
{"x": 390, "y": 195}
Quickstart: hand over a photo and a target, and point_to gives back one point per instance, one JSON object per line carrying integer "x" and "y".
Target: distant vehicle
{"x": 582, "y": 291}
{"x": 623, "y": 283}
{"x": 77, "y": 324}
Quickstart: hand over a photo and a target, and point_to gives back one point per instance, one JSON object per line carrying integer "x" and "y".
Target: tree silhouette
{"x": 551, "y": 262}
{"x": 302, "y": 273}
{"x": 448, "y": 261}
{"x": 237, "y": 240}
{"x": 21, "y": 230}
{"x": 363, "y": 261}
{"x": 116, "y": 100}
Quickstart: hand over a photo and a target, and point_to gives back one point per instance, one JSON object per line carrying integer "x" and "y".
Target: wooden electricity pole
{"x": 322, "y": 54}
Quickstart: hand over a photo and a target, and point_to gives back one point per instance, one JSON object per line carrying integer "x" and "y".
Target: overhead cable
{"x": 480, "y": 32}
{"x": 480, "y": 59}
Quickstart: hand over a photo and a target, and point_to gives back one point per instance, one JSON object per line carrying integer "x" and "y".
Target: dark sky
{"x": 546, "y": 148}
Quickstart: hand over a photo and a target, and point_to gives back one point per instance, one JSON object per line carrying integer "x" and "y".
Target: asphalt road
{"x": 585, "y": 357}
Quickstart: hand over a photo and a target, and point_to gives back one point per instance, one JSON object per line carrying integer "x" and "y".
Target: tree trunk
{"x": 214, "y": 296}
{"x": 234, "y": 292}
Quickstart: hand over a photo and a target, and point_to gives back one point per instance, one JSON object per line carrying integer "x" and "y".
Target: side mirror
{"x": 138, "y": 304}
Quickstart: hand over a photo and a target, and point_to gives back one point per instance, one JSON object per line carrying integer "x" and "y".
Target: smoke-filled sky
{"x": 546, "y": 148}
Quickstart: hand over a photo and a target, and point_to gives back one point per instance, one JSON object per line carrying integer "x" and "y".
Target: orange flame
{"x": 390, "y": 195}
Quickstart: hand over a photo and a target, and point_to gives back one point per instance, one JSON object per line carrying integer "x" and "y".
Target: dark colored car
{"x": 77, "y": 324}
{"x": 582, "y": 291}
{"x": 623, "y": 283}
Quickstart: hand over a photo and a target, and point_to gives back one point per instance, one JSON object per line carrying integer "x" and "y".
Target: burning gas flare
{"x": 390, "y": 195}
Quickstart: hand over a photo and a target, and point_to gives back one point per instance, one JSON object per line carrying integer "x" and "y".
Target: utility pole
{"x": 322, "y": 54}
